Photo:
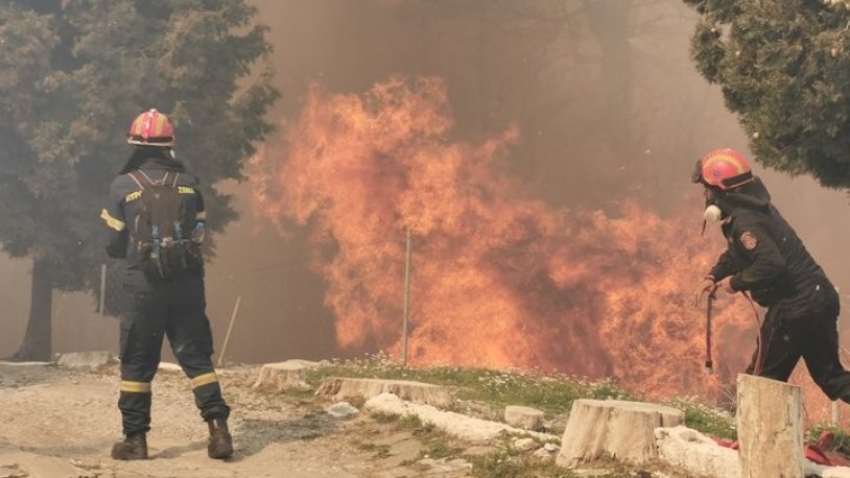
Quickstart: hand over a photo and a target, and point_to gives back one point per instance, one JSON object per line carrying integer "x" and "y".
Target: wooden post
{"x": 404, "y": 323}
{"x": 835, "y": 417}
{"x": 229, "y": 330}
{"x": 102, "y": 304}
{"x": 770, "y": 428}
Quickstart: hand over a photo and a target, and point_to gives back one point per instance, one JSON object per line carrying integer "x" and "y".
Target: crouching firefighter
{"x": 155, "y": 218}
{"x": 767, "y": 260}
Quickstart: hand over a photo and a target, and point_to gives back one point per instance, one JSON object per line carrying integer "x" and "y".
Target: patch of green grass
{"x": 415, "y": 425}
{"x": 841, "y": 438}
{"x": 436, "y": 444}
{"x": 485, "y": 392}
{"x": 297, "y": 394}
{"x": 384, "y": 417}
{"x": 440, "y": 449}
{"x": 707, "y": 420}
{"x": 380, "y": 451}
{"x": 552, "y": 394}
{"x": 408, "y": 422}
{"x": 504, "y": 464}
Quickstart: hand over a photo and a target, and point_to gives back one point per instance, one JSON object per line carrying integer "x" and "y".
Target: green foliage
{"x": 383, "y": 417}
{"x": 504, "y": 464}
{"x": 708, "y": 420}
{"x": 74, "y": 74}
{"x": 841, "y": 439}
{"x": 551, "y": 394}
{"x": 784, "y": 68}
{"x": 721, "y": 10}
{"x": 437, "y": 449}
{"x": 415, "y": 424}
{"x": 381, "y": 451}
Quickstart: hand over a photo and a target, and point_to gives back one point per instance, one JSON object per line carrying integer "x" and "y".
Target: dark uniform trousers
{"x": 789, "y": 333}
{"x": 175, "y": 310}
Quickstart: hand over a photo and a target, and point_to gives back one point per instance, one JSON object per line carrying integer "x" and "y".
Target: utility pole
{"x": 404, "y": 324}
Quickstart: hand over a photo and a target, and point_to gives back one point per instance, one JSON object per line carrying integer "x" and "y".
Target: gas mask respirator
{"x": 712, "y": 213}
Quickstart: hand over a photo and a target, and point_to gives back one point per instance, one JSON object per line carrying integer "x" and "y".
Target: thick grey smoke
{"x": 509, "y": 63}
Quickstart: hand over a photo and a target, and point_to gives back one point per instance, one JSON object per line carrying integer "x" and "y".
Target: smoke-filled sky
{"x": 532, "y": 150}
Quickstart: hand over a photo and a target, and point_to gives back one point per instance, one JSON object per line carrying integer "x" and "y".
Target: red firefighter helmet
{"x": 724, "y": 169}
{"x": 151, "y": 128}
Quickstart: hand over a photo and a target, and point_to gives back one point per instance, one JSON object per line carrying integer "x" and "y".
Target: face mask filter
{"x": 712, "y": 213}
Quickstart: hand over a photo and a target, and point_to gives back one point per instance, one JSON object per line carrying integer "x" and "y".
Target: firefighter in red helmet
{"x": 767, "y": 260}
{"x": 155, "y": 219}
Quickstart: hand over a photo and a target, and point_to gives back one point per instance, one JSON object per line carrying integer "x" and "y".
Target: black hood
{"x": 152, "y": 157}
{"x": 753, "y": 195}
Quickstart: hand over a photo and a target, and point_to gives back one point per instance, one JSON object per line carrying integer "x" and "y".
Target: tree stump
{"x": 284, "y": 375}
{"x": 770, "y": 430}
{"x": 342, "y": 388}
{"x": 617, "y": 429}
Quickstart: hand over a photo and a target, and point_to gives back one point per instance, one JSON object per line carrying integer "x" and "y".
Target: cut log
{"x": 770, "y": 430}
{"x": 341, "y": 388}
{"x": 281, "y": 376}
{"x": 617, "y": 429}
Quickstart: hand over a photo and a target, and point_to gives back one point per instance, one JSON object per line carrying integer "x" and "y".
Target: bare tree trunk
{"x": 37, "y": 344}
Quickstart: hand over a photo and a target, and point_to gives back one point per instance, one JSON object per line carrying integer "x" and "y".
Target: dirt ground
{"x": 61, "y": 423}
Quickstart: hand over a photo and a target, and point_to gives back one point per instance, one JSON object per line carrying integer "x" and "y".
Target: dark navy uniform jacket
{"x": 124, "y": 195}
{"x": 764, "y": 254}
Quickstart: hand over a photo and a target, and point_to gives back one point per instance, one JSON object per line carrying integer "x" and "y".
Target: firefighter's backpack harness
{"x": 163, "y": 228}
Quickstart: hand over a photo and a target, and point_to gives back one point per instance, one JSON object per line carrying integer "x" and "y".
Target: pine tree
{"x": 73, "y": 75}
{"x": 784, "y": 69}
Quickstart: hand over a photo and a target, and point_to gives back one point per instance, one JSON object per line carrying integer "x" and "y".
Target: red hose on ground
{"x": 709, "y": 363}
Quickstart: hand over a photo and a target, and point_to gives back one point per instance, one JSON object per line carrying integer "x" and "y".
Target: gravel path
{"x": 55, "y": 420}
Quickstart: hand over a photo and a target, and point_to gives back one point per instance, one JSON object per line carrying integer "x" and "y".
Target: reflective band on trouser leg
{"x": 208, "y": 397}
{"x": 204, "y": 379}
{"x": 135, "y": 387}
{"x": 135, "y": 405}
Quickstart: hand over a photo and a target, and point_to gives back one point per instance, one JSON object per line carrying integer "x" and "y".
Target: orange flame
{"x": 499, "y": 279}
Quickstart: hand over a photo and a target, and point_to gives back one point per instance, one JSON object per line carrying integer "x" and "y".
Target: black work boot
{"x": 221, "y": 443}
{"x": 134, "y": 447}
